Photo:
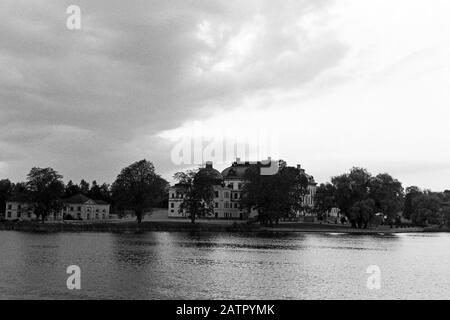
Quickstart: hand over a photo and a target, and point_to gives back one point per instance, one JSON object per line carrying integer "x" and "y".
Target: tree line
{"x": 361, "y": 197}
{"x": 137, "y": 188}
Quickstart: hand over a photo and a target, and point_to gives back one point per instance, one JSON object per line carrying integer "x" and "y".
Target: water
{"x": 163, "y": 265}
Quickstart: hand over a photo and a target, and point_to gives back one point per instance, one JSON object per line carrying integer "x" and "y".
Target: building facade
{"x": 78, "y": 207}
{"x": 228, "y": 191}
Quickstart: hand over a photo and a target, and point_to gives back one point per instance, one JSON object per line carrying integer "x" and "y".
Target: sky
{"x": 322, "y": 83}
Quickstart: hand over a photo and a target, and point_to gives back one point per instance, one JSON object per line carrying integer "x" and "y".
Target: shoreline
{"x": 203, "y": 226}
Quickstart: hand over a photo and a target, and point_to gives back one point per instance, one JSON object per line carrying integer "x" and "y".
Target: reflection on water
{"x": 186, "y": 265}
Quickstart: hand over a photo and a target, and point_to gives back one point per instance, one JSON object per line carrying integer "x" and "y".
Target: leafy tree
{"x": 138, "y": 187}
{"x": 198, "y": 193}
{"x": 362, "y": 212}
{"x": 45, "y": 188}
{"x": 274, "y": 196}
{"x": 350, "y": 188}
{"x": 324, "y": 198}
{"x": 426, "y": 209}
{"x": 105, "y": 193}
{"x": 446, "y": 195}
{"x": 411, "y": 193}
{"x": 387, "y": 194}
{"x": 71, "y": 189}
{"x": 84, "y": 187}
{"x": 20, "y": 188}
{"x": 6, "y": 189}
{"x": 359, "y": 196}
{"x": 446, "y": 215}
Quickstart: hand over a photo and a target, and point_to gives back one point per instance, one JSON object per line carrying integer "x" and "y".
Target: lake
{"x": 178, "y": 265}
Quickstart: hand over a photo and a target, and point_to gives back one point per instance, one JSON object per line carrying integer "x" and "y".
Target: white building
{"x": 228, "y": 190}
{"x": 81, "y": 207}
{"x": 77, "y": 207}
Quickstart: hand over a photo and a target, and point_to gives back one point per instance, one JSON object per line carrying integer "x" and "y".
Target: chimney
{"x": 209, "y": 164}
{"x": 299, "y": 166}
{"x": 269, "y": 159}
{"x": 238, "y": 160}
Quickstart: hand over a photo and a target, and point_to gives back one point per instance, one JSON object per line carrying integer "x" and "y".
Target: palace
{"x": 228, "y": 187}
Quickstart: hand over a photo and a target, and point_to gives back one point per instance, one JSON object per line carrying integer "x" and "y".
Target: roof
{"x": 21, "y": 198}
{"x": 239, "y": 168}
{"x": 77, "y": 199}
{"x": 82, "y": 199}
{"x": 101, "y": 202}
{"x": 209, "y": 172}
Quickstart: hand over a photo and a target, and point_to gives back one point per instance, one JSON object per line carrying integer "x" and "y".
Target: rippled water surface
{"x": 162, "y": 265}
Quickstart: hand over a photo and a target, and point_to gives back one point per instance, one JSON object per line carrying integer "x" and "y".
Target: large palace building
{"x": 228, "y": 188}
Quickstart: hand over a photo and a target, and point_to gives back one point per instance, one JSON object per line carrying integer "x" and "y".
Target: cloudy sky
{"x": 339, "y": 83}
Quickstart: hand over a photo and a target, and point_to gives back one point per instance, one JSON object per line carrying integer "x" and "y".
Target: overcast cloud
{"x": 344, "y": 84}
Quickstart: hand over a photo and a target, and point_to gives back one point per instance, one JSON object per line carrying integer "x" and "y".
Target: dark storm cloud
{"x": 81, "y": 101}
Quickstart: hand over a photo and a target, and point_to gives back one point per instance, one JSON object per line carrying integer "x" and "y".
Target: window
{"x": 173, "y": 195}
{"x": 71, "y": 208}
{"x": 216, "y": 204}
{"x": 18, "y": 214}
{"x": 216, "y": 194}
{"x": 239, "y": 186}
{"x": 104, "y": 210}
{"x": 9, "y": 214}
{"x": 227, "y": 194}
{"x": 9, "y": 207}
{"x": 96, "y": 210}
{"x": 235, "y": 205}
{"x": 171, "y": 210}
{"x": 19, "y": 207}
{"x": 79, "y": 209}
{"x": 96, "y": 216}
{"x": 235, "y": 195}
{"x": 87, "y": 216}
{"x": 172, "y": 205}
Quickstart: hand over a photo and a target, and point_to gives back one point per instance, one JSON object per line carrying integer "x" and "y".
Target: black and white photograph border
{"x": 221, "y": 150}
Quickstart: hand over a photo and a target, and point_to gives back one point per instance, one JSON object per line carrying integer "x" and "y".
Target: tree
{"x": 45, "y": 188}
{"x": 71, "y": 189}
{"x": 411, "y": 193}
{"x": 387, "y": 194}
{"x": 84, "y": 187}
{"x": 6, "y": 189}
{"x": 351, "y": 188}
{"x": 426, "y": 209}
{"x": 359, "y": 196}
{"x": 95, "y": 191}
{"x": 274, "y": 196}
{"x": 446, "y": 215}
{"x": 324, "y": 198}
{"x": 362, "y": 212}
{"x": 138, "y": 187}
{"x": 198, "y": 191}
